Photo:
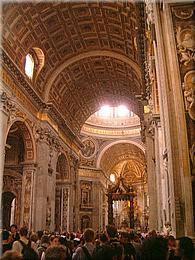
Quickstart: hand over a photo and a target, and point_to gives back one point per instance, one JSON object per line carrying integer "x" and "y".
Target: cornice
{"x": 56, "y": 116}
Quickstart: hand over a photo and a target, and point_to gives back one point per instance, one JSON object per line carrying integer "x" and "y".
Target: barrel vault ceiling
{"x": 93, "y": 53}
{"x": 117, "y": 155}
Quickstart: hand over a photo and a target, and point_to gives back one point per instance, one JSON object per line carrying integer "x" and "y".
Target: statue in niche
{"x": 186, "y": 44}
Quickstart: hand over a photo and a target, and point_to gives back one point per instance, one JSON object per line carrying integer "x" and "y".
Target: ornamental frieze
{"x": 46, "y": 135}
{"x": 186, "y": 44}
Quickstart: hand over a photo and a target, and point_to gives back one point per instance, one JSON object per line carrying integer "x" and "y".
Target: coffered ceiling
{"x": 92, "y": 52}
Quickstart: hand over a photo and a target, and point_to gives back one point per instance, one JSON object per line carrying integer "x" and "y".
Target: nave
{"x": 97, "y": 116}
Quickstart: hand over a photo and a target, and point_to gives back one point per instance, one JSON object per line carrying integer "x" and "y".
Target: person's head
{"x": 62, "y": 240}
{"x": 186, "y": 249}
{"x": 54, "y": 240}
{"x": 11, "y": 255}
{"x": 152, "y": 233}
{"x": 34, "y": 237}
{"x": 111, "y": 231}
{"x": 55, "y": 252}
{"x": 44, "y": 239}
{"x": 154, "y": 248}
{"x": 76, "y": 241}
{"x": 40, "y": 234}
{"x": 89, "y": 235}
{"x": 103, "y": 238}
{"x": 23, "y": 231}
{"x": 13, "y": 228}
{"x": 5, "y": 235}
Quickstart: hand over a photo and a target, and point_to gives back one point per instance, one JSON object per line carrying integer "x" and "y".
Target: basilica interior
{"x": 97, "y": 115}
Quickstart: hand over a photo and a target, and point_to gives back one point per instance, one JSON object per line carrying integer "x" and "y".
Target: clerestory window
{"x": 29, "y": 65}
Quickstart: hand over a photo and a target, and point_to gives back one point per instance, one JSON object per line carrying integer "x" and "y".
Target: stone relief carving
{"x": 89, "y": 148}
{"x": 186, "y": 44}
{"x": 189, "y": 93}
{"x": 6, "y": 103}
{"x": 149, "y": 11}
{"x": 45, "y": 134}
{"x": 27, "y": 197}
{"x": 183, "y": 13}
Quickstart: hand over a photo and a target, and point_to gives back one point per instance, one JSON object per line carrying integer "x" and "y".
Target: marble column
{"x": 4, "y": 114}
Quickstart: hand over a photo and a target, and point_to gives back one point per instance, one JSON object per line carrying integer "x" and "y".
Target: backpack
{"x": 28, "y": 252}
{"x": 103, "y": 252}
{"x": 117, "y": 250}
{"x": 86, "y": 253}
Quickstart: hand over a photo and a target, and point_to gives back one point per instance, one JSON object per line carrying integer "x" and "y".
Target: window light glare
{"x": 122, "y": 111}
{"x": 112, "y": 177}
{"x": 104, "y": 111}
{"x": 29, "y": 66}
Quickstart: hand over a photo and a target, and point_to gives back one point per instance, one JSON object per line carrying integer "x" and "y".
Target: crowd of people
{"x": 91, "y": 245}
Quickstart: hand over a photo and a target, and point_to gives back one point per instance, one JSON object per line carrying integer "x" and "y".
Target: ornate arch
{"x": 140, "y": 146}
{"x": 29, "y": 142}
{"x": 62, "y": 167}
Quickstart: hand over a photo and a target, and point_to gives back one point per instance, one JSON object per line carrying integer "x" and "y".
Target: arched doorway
{"x": 17, "y": 180}
{"x": 62, "y": 194}
{"x": 8, "y": 199}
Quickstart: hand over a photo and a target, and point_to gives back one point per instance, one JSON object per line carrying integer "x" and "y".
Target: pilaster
{"x": 27, "y": 209}
{"x": 5, "y": 107}
{"x": 74, "y": 204}
{"x": 151, "y": 171}
{"x": 172, "y": 108}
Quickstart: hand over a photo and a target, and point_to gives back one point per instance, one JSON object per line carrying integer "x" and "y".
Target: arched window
{"x": 112, "y": 177}
{"x": 29, "y": 65}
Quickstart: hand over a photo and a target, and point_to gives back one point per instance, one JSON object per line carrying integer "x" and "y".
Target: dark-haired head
{"x": 186, "y": 249}
{"x": 23, "y": 231}
{"x": 103, "y": 238}
{"x": 111, "y": 231}
{"x": 55, "y": 252}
